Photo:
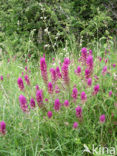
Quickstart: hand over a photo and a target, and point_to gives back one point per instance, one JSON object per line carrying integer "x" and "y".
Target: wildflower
{"x": 39, "y": 97}
{"x": 32, "y": 103}
{"x": 37, "y": 87}
{"x": 100, "y": 59}
{"x": 83, "y": 96}
{"x": 23, "y": 103}
{"x": 84, "y": 54}
{"x": 57, "y": 105}
{"x": 89, "y": 82}
{"x": 114, "y": 65}
{"x": 26, "y": 68}
{"x": 102, "y": 118}
{"x": 49, "y": 114}
{"x": 75, "y": 125}
{"x": 57, "y": 89}
{"x": 43, "y": 68}
{"x": 1, "y": 77}
{"x": 66, "y": 103}
{"x": 20, "y": 83}
{"x": 2, "y": 127}
{"x": 53, "y": 75}
{"x": 104, "y": 70}
{"x": 78, "y": 70}
{"x": 58, "y": 72}
{"x": 87, "y": 73}
{"x": 110, "y": 93}
{"x": 50, "y": 88}
{"x": 106, "y": 60}
{"x": 90, "y": 63}
{"x": 96, "y": 89}
{"x": 46, "y": 100}
{"x": 90, "y": 51}
{"x": 66, "y": 61}
{"x": 65, "y": 73}
{"x": 78, "y": 112}
{"x": 74, "y": 93}
{"x": 27, "y": 79}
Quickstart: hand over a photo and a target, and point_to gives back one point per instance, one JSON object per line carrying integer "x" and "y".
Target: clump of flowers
{"x": 1, "y": 77}
{"x": 87, "y": 73}
{"x": 43, "y": 68}
{"x": 3, "y": 127}
{"x": 20, "y": 83}
{"x": 58, "y": 72}
{"x": 23, "y": 103}
{"x": 39, "y": 97}
{"x": 57, "y": 105}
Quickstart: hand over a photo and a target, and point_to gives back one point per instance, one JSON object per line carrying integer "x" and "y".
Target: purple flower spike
{"x": 57, "y": 105}
{"x": 49, "y": 114}
{"x": 75, "y": 125}
{"x": 20, "y": 83}
{"x": 23, "y": 103}
{"x": 102, "y": 118}
{"x": 32, "y": 103}
{"x": 66, "y": 103}
{"x": 3, "y": 127}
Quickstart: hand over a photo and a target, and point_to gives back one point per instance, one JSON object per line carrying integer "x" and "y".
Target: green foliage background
{"x": 36, "y": 26}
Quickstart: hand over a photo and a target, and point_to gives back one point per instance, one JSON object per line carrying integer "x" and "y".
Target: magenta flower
{"x": 58, "y": 72}
{"x": 23, "y": 103}
{"x": 78, "y": 112}
{"x": 66, "y": 61}
{"x": 39, "y": 97}
{"x": 90, "y": 63}
{"x": 75, "y": 125}
{"x": 114, "y": 65}
{"x": 100, "y": 59}
{"x": 20, "y": 83}
{"x": 104, "y": 71}
{"x": 32, "y": 103}
{"x": 83, "y": 96}
{"x": 102, "y": 118}
{"x": 106, "y": 60}
{"x": 110, "y": 93}
{"x": 90, "y": 51}
{"x": 27, "y": 79}
{"x": 96, "y": 89}
{"x": 65, "y": 74}
{"x": 50, "y": 88}
{"x": 89, "y": 82}
{"x": 74, "y": 93}
{"x": 3, "y": 127}
{"x": 26, "y": 68}
{"x": 57, "y": 105}
{"x": 43, "y": 68}
{"x": 87, "y": 73}
{"x": 66, "y": 103}
{"x": 78, "y": 70}
{"x": 37, "y": 88}
{"x": 57, "y": 89}
{"x": 49, "y": 114}
{"x": 84, "y": 54}
{"x": 1, "y": 77}
{"x": 53, "y": 75}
